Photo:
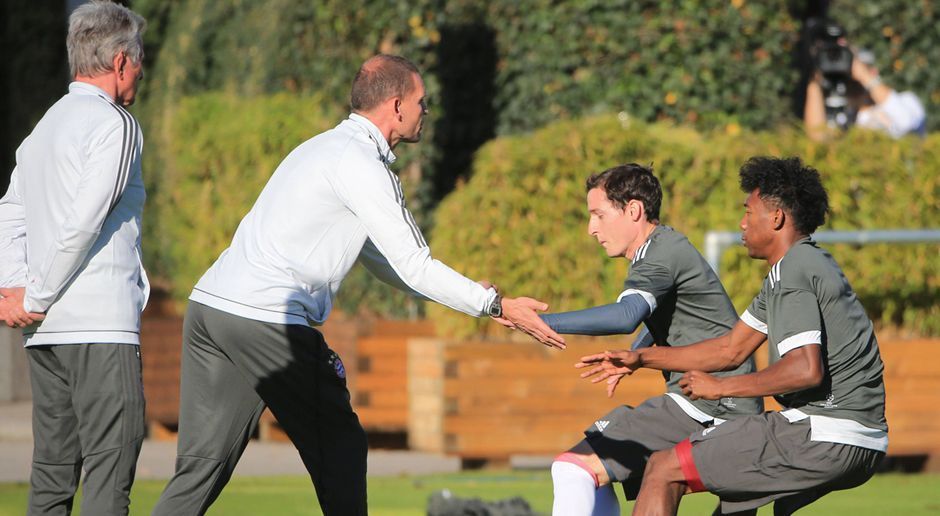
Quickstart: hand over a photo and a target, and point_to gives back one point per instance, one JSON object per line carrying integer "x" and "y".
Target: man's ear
{"x": 779, "y": 219}
{"x": 120, "y": 61}
{"x": 635, "y": 209}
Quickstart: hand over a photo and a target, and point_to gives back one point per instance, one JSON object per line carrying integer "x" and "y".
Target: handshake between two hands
{"x": 521, "y": 313}
{"x": 11, "y": 308}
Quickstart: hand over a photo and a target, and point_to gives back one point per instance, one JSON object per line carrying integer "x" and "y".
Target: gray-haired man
{"x": 71, "y": 274}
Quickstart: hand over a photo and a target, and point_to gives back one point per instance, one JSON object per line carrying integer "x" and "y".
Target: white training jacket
{"x": 332, "y": 200}
{"x": 70, "y": 222}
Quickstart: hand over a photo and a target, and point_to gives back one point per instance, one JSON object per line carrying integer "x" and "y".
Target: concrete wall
{"x": 14, "y": 372}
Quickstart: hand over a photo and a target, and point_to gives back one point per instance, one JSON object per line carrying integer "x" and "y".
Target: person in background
{"x": 876, "y": 105}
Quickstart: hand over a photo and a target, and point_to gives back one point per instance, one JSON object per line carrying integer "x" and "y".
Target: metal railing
{"x": 717, "y": 242}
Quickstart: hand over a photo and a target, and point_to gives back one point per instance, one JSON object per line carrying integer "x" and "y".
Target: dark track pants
{"x": 232, "y": 368}
{"x": 88, "y": 413}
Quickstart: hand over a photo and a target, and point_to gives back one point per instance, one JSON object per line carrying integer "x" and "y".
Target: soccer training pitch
{"x": 910, "y": 495}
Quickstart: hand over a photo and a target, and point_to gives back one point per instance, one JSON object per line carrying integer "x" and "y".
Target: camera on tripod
{"x": 831, "y": 56}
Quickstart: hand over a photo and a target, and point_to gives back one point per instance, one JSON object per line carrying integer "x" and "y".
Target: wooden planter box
{"x": 491, "y": 400}
{"x": 488, "y": 401}
{"x": 161, "y": 343}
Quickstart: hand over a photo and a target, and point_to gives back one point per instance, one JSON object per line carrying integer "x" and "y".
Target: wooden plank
{"x": 390, "y": 398}
{"x": 522, "y": 388}
{"x": 379, "y": 382}
{"x": 420, "y": 328}
{"x": 383, "y": 346}
{"x": 372, "y": 364}
{"x": 385, "y": 419}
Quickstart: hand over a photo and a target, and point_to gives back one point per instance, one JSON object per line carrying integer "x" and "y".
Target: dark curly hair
{"x": 791, "y": 185}
{"x": 629, "y": 182}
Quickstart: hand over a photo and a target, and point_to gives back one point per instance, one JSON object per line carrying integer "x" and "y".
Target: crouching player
{"x": 673, "y": 290}
{"x": 826, "y": 370}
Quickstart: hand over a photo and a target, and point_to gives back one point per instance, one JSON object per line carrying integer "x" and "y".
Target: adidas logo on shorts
{"x": 601, "y": 425}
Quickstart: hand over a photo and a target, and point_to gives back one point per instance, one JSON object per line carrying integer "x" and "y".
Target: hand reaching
{"x": 612, "y": 382}
{"x": 610, "y": 366}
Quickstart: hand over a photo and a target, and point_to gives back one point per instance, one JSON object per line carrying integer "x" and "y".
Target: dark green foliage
{"x": 676, "y": 60}
{"x": 521, "y": 221}
{"x": 503, "y": 67}
{"x": 36, "y": 71}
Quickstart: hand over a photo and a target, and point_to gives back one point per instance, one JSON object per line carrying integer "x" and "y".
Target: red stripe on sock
{"x": 687, "y": 463}
{"x": 572, "y": 458}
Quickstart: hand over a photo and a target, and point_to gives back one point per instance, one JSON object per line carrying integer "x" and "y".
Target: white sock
{"x": 576, "y": 493}
{"x": 574, "y": 490}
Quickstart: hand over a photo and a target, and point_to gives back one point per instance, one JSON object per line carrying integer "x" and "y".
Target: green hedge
{"x": 521, "y": 220}
{"x": 498, "y": 67}
{"x": 703, "y": 63}
{"x": 222, "y": 150}
{"x": 670, "y": 59}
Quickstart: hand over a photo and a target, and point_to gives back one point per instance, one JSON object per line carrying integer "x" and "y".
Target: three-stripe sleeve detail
{"x": 641, "y": 252}
{"x": 400, "y": 197}
{"x": 774, "y": 275}
{"x": 131, "y": 132}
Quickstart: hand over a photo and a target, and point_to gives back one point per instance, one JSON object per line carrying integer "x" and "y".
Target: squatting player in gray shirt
{"x": 673, "y": 290}
{"x": 825, "y": 369}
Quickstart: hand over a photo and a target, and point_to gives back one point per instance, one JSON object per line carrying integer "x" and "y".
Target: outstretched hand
{"x": 611, "y": 366}
{"x": 11, "y": 308}
{"x": 521, "y": 313}
{"x": 612, "y": 382}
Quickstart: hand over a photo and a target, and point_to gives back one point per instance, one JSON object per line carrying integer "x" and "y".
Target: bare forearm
{"x": 708, "y": 355}
{"x": 814, "y": 112}
{"x": 785, "y": 376}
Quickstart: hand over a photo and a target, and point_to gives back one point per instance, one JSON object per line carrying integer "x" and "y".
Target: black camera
{"x": 831, "y": 57}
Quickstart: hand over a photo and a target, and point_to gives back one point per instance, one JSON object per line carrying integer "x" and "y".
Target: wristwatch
{"x": 496, "y": 307}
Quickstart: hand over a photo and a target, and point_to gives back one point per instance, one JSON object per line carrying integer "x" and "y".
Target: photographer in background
{"x": 836, "y": 100}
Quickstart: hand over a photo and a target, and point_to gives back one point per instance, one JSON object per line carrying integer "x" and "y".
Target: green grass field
{"x": 910, "y": 495}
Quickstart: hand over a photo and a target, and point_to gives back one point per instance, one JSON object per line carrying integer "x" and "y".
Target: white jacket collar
{"x": 84, "y": 88}
{"x": 376, "y": 135}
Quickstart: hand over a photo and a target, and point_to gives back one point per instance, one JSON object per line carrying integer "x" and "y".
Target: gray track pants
{"x": 232, "y": 368}
{"x": 88, "y": 411}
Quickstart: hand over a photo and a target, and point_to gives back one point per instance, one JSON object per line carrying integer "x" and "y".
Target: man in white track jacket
{"x": 71, "y": 274}
{"x": 246, "y": 339}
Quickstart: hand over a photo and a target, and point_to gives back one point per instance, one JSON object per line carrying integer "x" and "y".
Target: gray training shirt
{"x": 807, "y": 300}
{"x": 688, "y": 305}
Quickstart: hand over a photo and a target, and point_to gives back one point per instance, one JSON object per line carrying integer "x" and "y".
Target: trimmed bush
{"x": 491, "y": 67}
{"x": 707, "y": 64}
{"x": 506, "y": 66}
{"x": 670, "y": 59}
{"x": 521, "y": 220}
